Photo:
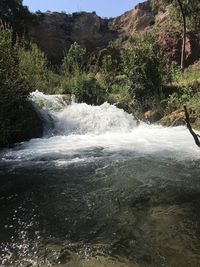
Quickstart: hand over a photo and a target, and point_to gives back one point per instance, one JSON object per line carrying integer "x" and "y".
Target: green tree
{"x": 74, "y": 60}
{"x": 18, "y": 121}
{"x": 76, "y": 80}
{"x": 145, "y": 71}
{"x": 33, "y": 66}
{"x": 107, "y": 71}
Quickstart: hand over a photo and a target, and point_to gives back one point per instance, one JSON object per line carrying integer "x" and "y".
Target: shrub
{"x": 74, "y": 60}
{"x": 85, "y": 88}
{"x": 15, "y": 110}
{"x": 145, "y": 69}
{"x": 75, "y": 80}
{"x": 33, "y": 67}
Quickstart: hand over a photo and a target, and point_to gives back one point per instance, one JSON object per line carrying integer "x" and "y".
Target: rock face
{"x": 136, "y": 20}
{"x": 55, "y": 32}
{"x": 171, "y": 44}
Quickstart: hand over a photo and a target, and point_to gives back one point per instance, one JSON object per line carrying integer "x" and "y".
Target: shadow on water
{"x": 133, "y": 212}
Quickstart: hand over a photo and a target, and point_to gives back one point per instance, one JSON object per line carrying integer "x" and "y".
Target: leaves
{"x": 74, "y": 60}
{"x": 191, "y": 9}
{"x": 145, "y": 69}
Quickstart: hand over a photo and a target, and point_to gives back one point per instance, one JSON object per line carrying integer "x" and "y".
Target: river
{"x": 99, "y": 190}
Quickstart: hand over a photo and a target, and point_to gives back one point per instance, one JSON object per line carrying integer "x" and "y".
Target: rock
{"x": 175, "y": 118}
{"x": 192, "y": 49}
{"x": 23, "y": 125}
{"x": 56, "y": 254}
{"x": 67, "y": 98}
{"x": 29, "y": 124}
{"x": 54, "y": 32}
{"x": 51, "y": 33}
{"x": 135, "y": 20}
{"x": 108, "y": 52}
{"x": 171, "y": 44}
{"x": 63, "y": 256}
{"x": 152, "y": 116}
{"x": 98, "y": 76}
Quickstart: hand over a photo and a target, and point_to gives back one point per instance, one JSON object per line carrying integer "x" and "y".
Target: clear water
{"x": 98, "y": 190}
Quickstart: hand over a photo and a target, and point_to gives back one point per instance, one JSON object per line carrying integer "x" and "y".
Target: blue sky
{"x": 104, "y": 8}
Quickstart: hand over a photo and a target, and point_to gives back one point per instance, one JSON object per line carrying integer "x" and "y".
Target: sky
{"x": 103, "y": 8}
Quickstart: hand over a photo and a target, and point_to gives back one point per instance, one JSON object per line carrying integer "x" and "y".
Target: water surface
{"x": 99, "y": 191}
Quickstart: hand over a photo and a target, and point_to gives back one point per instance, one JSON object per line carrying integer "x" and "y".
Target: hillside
{"x": 54, "y": 32}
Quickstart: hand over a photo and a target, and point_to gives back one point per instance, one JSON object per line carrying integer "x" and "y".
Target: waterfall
{"x": 97, "y": 176}
{"x": 82, "y": 118}
{"x": 80, "y": 130}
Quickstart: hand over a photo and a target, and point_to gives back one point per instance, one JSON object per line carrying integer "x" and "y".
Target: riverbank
{"x": 134, "y": 75}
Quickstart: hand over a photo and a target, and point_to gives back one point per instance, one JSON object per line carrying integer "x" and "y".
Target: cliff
{"x": 54, "y": 32}
{"x": 137, "y": 20}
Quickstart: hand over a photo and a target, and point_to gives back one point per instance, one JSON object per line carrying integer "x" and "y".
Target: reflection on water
{"x": 142, "y": 211}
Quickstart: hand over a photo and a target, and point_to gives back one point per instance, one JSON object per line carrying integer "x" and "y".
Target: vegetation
{"x": 187, "y": 92}
{"x": 131, "y": 72}
{"x": 74, "y": 60}
{"x": 16, "y": 113}
{"x": 188, "y": 11}
{"x": 75, "y": 79}
{"x": 13, "y": 13}
{"x": 145, "y": 72}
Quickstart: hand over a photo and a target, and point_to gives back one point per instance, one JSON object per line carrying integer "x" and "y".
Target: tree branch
{"x": 187, "y": 120}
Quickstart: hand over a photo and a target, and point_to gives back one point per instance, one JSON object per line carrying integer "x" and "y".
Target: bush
{"x": 15, "y": 111}
{"x": 146, "y": 71}
{"x": 74, "y": 60}
{"x": 75, "y": 80}
{"x": 33, "y": 67}
{"x": 85, "y": 88}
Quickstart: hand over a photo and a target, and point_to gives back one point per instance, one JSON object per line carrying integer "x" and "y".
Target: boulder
{"x": 152, "y": 116}
{"x": 176, "y": 118}
{"x": 23, "y": 124}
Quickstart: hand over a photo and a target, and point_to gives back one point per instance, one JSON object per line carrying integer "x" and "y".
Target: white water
{"x": 81, "y": 130}
{"x": 41, "y": 192}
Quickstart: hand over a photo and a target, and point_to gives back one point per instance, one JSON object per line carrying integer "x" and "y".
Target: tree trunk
{"x": 183, "y": 54}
